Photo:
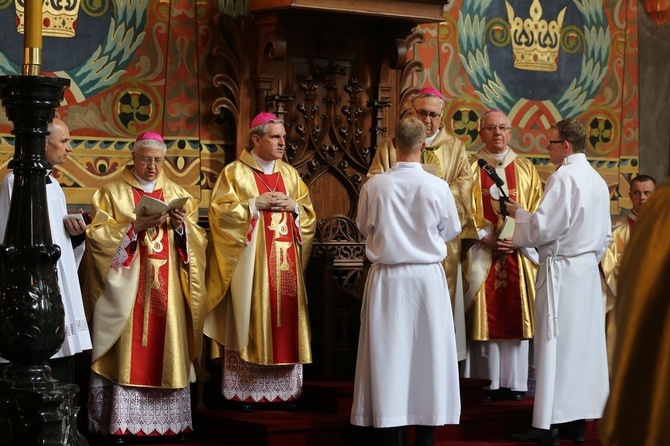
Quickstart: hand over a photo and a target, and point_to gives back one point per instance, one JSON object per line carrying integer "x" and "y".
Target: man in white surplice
{"x": 68, "y": 233}
{"x": 406, "y": 369}
{"x": 571, "y": 228}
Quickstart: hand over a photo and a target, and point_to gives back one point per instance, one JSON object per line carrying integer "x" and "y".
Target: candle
{"x": 32, "y": 37}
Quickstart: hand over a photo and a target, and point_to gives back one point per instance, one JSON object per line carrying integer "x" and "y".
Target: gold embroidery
{"x": 280, "y": 228}
{"x": 152, "y": 280}
{"x": 501, "y": 273}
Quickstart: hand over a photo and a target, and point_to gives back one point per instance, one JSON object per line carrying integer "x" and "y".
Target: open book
{"x": 155, "y": 206}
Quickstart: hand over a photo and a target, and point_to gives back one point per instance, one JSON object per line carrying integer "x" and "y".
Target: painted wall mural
{"x": 151, "y": 64}
{"x": 134, "y": 65}
{"x": 539, "y": 62}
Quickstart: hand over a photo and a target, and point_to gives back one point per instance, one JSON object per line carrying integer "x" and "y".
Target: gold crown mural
{"x": 535, "y": 42}
{"x": 59, "y": 18}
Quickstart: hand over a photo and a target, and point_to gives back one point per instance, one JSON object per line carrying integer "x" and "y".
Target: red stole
{"x": 151, "y": 303}
{"x": 503, "y": 301}
{"x": 280, "y": 235}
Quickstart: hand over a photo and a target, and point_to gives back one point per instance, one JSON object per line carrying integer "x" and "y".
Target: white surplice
{"x": 406, "y": 369}
{"x": 77, "y": 336}
{"x": 571, "y": 229}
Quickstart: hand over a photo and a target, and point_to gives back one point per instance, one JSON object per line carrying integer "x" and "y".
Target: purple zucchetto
{"x": 430, "y": 91}
{"x": 151, "y": 140}
{"x": 150, "y": 135}
{"x": 262, "y": 118}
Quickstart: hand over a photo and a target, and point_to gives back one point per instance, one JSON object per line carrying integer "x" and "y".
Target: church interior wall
{"x": 156, "y": 66}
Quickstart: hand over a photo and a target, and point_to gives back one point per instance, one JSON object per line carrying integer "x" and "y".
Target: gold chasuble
{"x": 144, "y": 292}
{"x": 256, "y": 261}
{"x": 499, "y": 302}
{"x": 610, "y": 265}
{"x": 446, "y": 158}
{"x": 638, "y": 406}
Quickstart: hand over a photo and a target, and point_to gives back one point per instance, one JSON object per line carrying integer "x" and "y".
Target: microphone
{"x": 490, "y": 172}
{"x": 499, "y": 182}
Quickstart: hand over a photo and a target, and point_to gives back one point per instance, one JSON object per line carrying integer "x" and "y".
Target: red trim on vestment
{"x": 282, "y": 275}
{"x": 146, "y": 365}
{"x": 503, "y": 302}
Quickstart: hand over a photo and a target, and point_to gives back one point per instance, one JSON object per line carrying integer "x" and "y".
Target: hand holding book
{"x": 507, "y": 228}
{"x": 155, "y": 206}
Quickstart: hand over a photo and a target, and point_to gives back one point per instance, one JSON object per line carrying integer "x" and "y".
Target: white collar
{"x": 267, "y": 167}
{"x": 407, "y": 165}
{"x": 147, "y": 186}
{"x": 431, "y": 139}
{"x": 574, "y": 158}
{"x": 499, "y": 158}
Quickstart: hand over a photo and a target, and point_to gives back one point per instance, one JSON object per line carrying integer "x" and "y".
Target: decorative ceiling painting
{"x": 540, "y": 62}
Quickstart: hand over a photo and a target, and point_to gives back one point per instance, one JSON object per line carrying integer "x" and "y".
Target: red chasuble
{"x": 504, "y": 313}
{"x": 280, "y": 235}
{"x": 151, "y": 303}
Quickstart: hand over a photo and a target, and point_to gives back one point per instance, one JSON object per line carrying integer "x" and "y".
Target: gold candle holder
{"x": 32, "y": 39}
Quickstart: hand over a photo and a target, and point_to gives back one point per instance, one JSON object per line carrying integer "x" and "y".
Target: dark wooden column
{"x": 34, "y": 408}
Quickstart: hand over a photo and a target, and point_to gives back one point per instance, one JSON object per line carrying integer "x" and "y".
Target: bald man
{"x": 68, "y": 233}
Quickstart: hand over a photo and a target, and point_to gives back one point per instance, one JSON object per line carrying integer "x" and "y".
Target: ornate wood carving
{"x": 236, "y": 91}
{"x": 338, "y": 238}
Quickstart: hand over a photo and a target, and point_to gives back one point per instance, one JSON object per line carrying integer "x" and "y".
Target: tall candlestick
{"x": 32, "y": 38}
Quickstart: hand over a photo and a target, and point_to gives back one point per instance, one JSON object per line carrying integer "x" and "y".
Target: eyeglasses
{"x": 424, "y": 114}
{"x": 492, "y": 128}
{"x": 149, "y": 160}
{"x": 557, "y": 141}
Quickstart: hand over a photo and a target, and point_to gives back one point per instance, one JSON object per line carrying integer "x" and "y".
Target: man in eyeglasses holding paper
{"x": 445, "y": 157}
{"x": 499, "y": 300}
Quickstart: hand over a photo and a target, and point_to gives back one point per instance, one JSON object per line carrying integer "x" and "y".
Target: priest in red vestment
{"x": 500, "y": 299}
{"x": 262, "y": 226}
{"x": 145, "y": 289}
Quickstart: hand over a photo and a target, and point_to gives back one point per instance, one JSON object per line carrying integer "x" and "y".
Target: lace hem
{"x": 120, "y": 410}
{"x": 244, "y": 381}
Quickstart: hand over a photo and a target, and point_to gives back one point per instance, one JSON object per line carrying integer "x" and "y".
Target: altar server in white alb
{"x": 406, "y": 370}
{"x": 571, "y": 229}
{"x": 68, "y": 233}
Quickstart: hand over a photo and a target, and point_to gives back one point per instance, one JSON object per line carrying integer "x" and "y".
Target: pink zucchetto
{"x": 262, "y": 118}
{"x": 150, "y": 135}
{"x": 430, "y": 91}
{"x": 151, "y": 140}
